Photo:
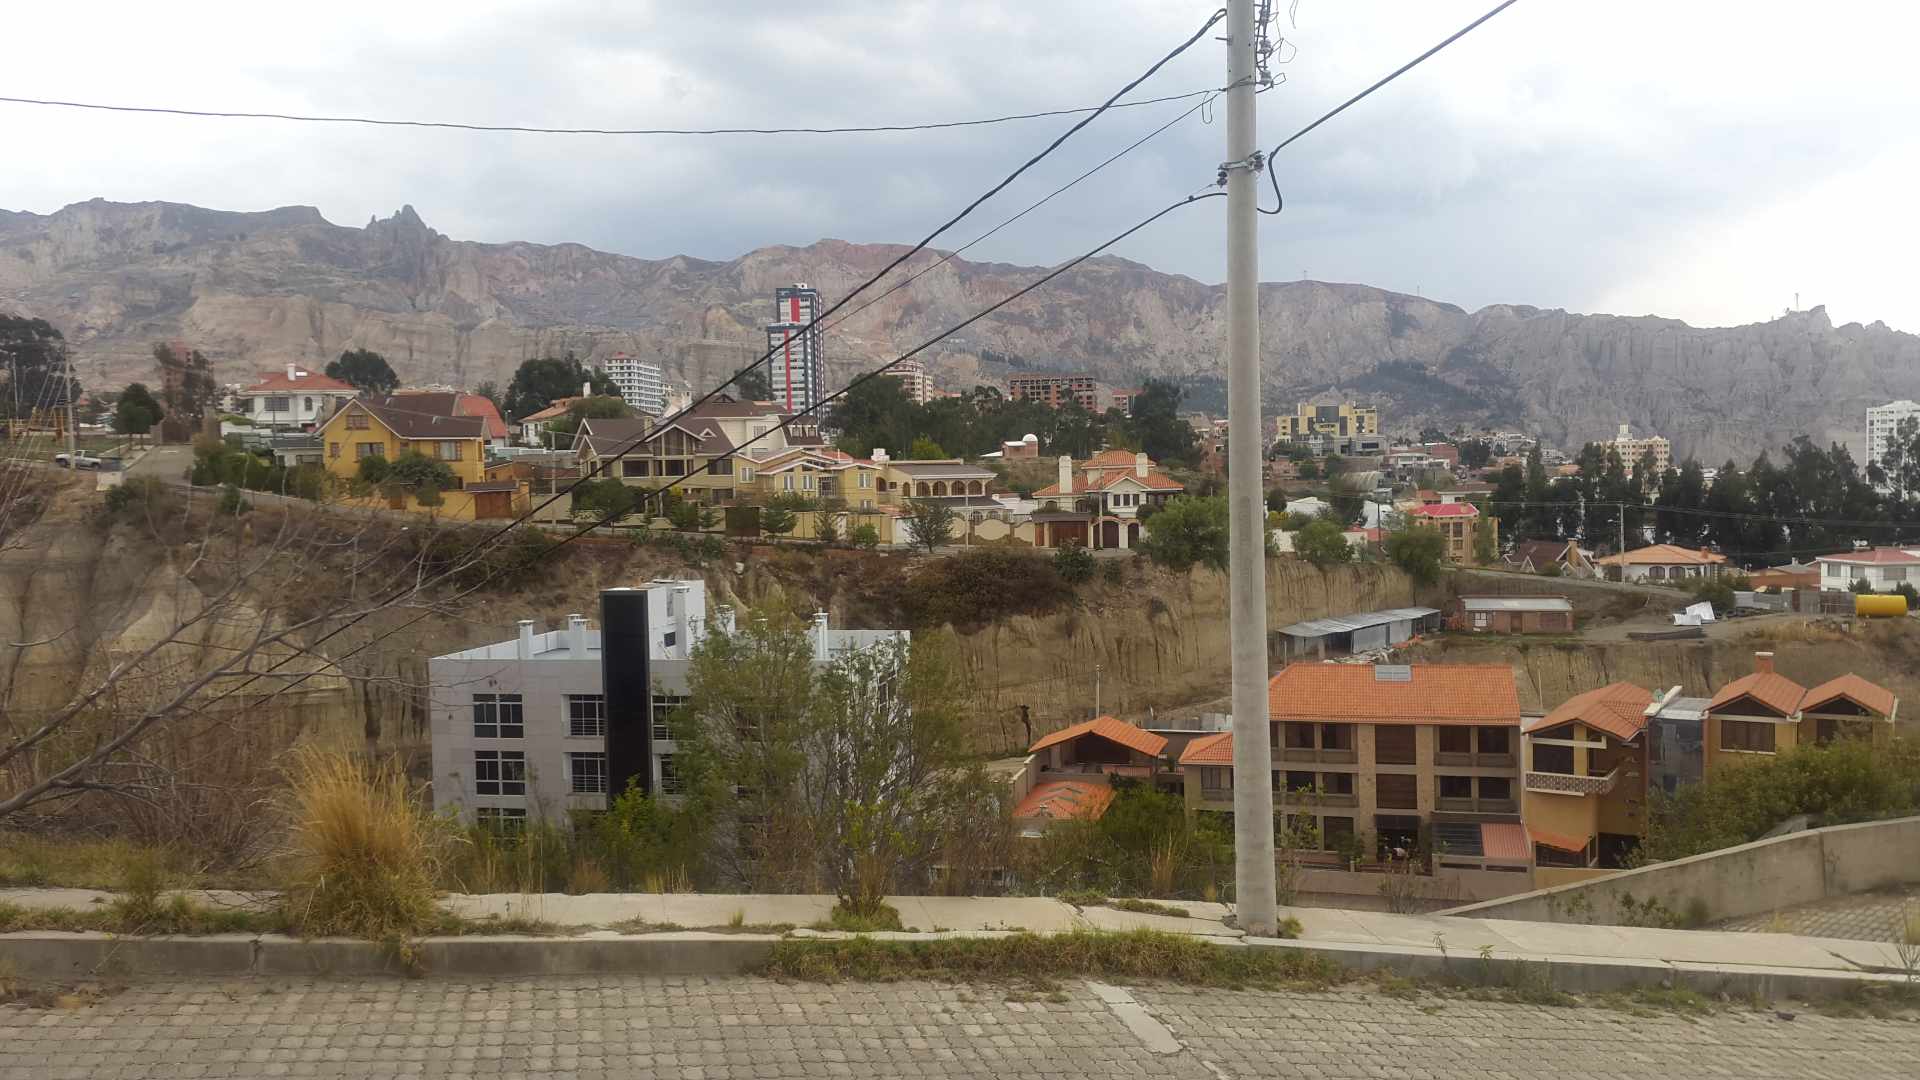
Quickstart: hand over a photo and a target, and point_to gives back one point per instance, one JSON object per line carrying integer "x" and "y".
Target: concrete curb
{"x": 70, "y": 956}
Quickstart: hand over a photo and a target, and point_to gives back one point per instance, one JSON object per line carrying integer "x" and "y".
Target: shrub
{"x": 366, "y": 853}
{"x": 1073, "y": 563}
{"x": 977, "y": 586}
{"x": 1121, "y": 957}
{"x": 1113, "y": 572}
{"x": 1189, "y": 530}
{"x": 865, "y": 537}
{"x": 231, "y": 503}
{"x": 684, "y": 515}
{"x": 374, "y": 469}
{"x": 1419, "y": 551}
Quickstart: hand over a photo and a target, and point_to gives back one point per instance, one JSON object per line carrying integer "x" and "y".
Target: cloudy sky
{"x": 1706, "y": 160}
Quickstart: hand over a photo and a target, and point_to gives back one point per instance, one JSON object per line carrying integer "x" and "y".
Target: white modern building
{"x": 915, "y": 380}
{"x": 798, "y": 363}
{"x": 297, "y": 398}
{"x": 1884, "y": 569}
{"x": 1883, "y": 427}
{"x": 547, "y": 723}
{"x": 643, "y": 385}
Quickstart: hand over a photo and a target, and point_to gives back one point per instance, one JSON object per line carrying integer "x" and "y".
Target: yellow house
{"x": 365, "y": 428}
{"x": 692, "y": 455}
{"x": 1764, "y": 713}
{"x": 1585, "y": 794}
{"x": 812, "y": 474}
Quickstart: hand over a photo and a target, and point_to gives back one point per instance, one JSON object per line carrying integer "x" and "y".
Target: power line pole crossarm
{"x": 1252, "y": 744}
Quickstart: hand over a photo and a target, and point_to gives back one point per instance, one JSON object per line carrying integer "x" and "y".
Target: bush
{"x": 1419, "y": 551}
{"x": 1714, "y": 591}
{"x": 373, "y": 469}
{"x": 1113, "y": 572}
{"x": 684, "y": 516}
{"x": 980, "y": 585}
{"x": 865, "y": 537}
{"x": 1912, "y": 594}
{"x": 1323, "y": 543}
{"x": 1135, "y": 955}
{"x": 366, "y": 852}
{"x": 1073, "y": 563}
{"x": 1189, "y": 530}
{"x": 231, "y": 503}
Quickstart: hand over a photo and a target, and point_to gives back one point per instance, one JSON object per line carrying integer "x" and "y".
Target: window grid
{"x": 587, "y": 773}
{"x": 500, "y": 772}
{"x": 586, "y": 715}
{"x": 664, "y": 706}
{"x": 498, "y": 716}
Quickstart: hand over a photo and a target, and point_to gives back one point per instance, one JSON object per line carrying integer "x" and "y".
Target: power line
{"x": 1355, "y": 99}
{"x": 525, "y": 129}
{"x": 1701, "y": 512}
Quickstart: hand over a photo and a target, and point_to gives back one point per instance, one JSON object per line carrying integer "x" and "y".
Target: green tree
{"x": 188, "y": 389}
{"x": 866, "y": 537}
{"x": 605, "y": 498}
{"x": 492, "y": 392}
{"x": 683, "y": 515}
{"x": 1508, "y": 502}
{"x": 1848, "y": 781}
{"x": 876, "y": 413}
{"x": 827, "y": 525}
{"x": 1419, "y": 550}
{"x": 374, "y": 469}
{"x": 422, "y": 473}
{"x": 757, "y": 385}
{"x": 366, "y": 371}
{"x": 1189, "y": 530}
{"x": 1073, "y": 562}
{"x": 1541, "y": 521}
{"x": 33, "y": 365}
{"x": 1485, "y": 547}
{"x": 929, "y": 523}
{"x": 135, "y": 412}
{"x": 540, "y": 382}
{"x": 925, "y": 449}
{"x": 1346, "y": 500}
{"x": 777, "y": 519}
{"x": 1156, "y": 426}
{"x": 1475, "y": 453}
{"x": 560, "y": 430}
{"x": 1322, "y": 543}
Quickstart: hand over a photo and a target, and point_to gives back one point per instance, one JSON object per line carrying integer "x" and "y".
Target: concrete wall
{"x": 1751, "y": 879}
{"x": 1457, "y": 886}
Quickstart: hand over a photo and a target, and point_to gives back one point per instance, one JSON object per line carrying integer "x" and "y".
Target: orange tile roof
{"x": 1773, "y": 690}
{"x": 1664, "y": 555}
{"x": 305, "y": 382}
{"x": 1110, "y": 459}
{"x": 1573, "y": 844}
{"x": 1505, "y": 840}
{"x": 1868, "y": 695}
{"x": 1619, "y": 709}
{"x": 1444, "y": 510}
{"x": 1064, "y": 800}
{"x": 1209, "y": 750}
{"x": 1435, "y": 694}
{"x": 1146, "y": 742}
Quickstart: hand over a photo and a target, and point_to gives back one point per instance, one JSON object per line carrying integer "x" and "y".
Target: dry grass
{"x": 366, "y": 853}
{"x": 76, "y": 862}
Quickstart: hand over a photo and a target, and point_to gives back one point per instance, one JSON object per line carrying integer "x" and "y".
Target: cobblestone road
{"x": 1864, "y": 917}
{"x": 709, "y": 1029}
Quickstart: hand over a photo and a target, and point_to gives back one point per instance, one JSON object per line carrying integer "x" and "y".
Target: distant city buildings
{"x": 1344, "y": 428}
{"x": 915, "y": 380}
{"x": 1632, "y": 451}
{"x": 1055, "y": 390}
{"x": 1883, "y": 426}
{"x": 798, "y": 364}
{"x": 643, "y": 386}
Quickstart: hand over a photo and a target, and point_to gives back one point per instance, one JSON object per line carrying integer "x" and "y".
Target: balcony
{"x": 1304, "y": 753}
{"x": 1477, "y": 806}
{"x": 1316, "y": 798}
{"x": 1564, "y": 784}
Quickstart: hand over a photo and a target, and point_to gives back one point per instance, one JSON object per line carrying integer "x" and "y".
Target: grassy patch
{"x": 30, "y": 861}
{"x": 1136, "y": 955}
{"x": 1649, "y": 1001}
{"x": 449, "y": 925}
{"x": 1081, "y": 897}
{"x": 1149, "y": 907}
{"x": 139, "y": 916}
{"x": 853, "y": 922}
{"x": 1880, "y": 1001}
{"x": 366, "y": 851}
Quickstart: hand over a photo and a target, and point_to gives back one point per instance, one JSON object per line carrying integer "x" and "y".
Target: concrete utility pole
{"x": 1252, "y": 745}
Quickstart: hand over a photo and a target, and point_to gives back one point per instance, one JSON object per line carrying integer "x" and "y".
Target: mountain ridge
{"x": 257, "y": 289}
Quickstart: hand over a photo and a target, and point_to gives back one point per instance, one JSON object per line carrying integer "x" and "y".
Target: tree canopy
{"x": 540, "y": 382}
{"x": 366, "y": 371}
{"x": 135, "y": 412}
{"x": 1323, "y": 543}
{"x": 1189, "y": 530}
{"x": 878, "y": 413}
{"x": 33, "y": 363}
{"x": 1418, "y": 550}
{"x": 187, "y": 388}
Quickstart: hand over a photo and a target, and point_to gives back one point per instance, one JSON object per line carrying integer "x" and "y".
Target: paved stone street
{"x": 710, "y": 1029}
{"x": 1866, "y": 917}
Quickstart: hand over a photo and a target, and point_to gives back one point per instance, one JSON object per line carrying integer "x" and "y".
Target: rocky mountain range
{"x": 256, "y": 290}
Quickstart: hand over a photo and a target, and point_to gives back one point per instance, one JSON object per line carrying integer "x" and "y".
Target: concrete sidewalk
{"x": 1427, "y": 939}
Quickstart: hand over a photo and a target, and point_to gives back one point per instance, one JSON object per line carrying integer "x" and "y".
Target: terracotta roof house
{"x": 1884, "y": 569}
{"x": 1456, "y": 521}
{"x": 1662, "y": 562}
{"x": 1764, "y": 712}
{"x": 454, "y": 403}
{"x": 294, "y": 398}
{"x": 1102, "y": 746}
{"x": 1096, "y": 503}
{"x": 1061, "y": 799}
{"x": 1586, "y": 779}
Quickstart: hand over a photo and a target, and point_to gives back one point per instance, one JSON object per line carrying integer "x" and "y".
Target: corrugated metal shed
{"x": 1516, "y": 603}
{"x": 1344, "y": 624}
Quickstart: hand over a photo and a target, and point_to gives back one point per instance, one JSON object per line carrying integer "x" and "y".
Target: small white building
{"x": 548, "y": 723}
{"x": 1884, "y": 569}
{"x": 297, "y": 398}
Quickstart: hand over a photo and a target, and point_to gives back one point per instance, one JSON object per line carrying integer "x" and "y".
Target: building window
{"x": 586, "y": 715}
{"x": 1216, "y": 779}
{"x": 1749, "y": 735}
{"x": 865, "y": 480}
{"x": 673, "y": 468}
{"x": 1494, "y": 740}
{"x": 664, "y": 706}
{"x": 786, "y": 483}
{"x": 499, "y": 772}
{"x": 451, "y": 450}
{"x": 356, "y": 421}
{"x": 1893, "y": 573}
{"x": 670, "y": 782}
{"x": 1336, "y": 737}
{"x": 279, "y": 404}
{"x": 502, "y": 820}
{"x": 587, "y": 773}
{"x": 1496, "y": 787}
{"x": 631, "y": 467}
{"x": 1456, "y": 787}
{"x": 1456, "y": 740}
{"x": 369, "y": 449}
{"x": 1337, "y": 783}
{"x": 1299, "y": 736}
{"x": 746, "y": 475}
{"x": 1553, "y": 759}
{"x": 498, "y": 716}
{"x": 1397, "y": 791}
{"x": 1300, "y": 781}
{"x": 306, "y": 404}
{"x": 1336, "y": 832}
{"x": 333, "y": 450}
{"x": 1393, "y": 745}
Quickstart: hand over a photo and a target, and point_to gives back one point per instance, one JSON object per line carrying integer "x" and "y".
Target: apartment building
{"x": 643, "y": 384}
{"x": 1632, "y": 450}
{"x": 1883, "y": 427}
{"x": 1456, "y": 521}
{"x": 549, "y": 723}
{"x": 798, "y": 347}
{"x": 1344, "y": 428}
{"x": 1386, "y": 751}
{"x": 1056, "y": 390}
{"x": 914, "y": 380}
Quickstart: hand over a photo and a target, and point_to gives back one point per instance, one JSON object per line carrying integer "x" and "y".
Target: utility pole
{"x": 73, "y": 431}
{"x": 1252, "y": 743}
{"x": 1096, "y": 690}
{"x": 1620, "y": 513}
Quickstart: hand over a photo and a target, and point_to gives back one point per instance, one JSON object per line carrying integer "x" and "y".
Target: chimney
{"x": 682, "y": 632}
{"x": 1066, "y": 475}
{"x": 879, "y": 455}
{"x": 821, "y": 652}
{"x": 293, "y": 371}
{"x": 1140, "y": 464}
{"x": 577, "y": 636}
{"x": 724, "y": 613}
{"x": 523, "y": 648}
{"x": 1763, "y": 663}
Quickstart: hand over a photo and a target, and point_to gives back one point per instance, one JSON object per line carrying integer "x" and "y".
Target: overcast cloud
{"x": 1705, "y": 159}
